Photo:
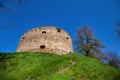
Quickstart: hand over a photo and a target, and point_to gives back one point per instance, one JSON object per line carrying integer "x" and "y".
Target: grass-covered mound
{"x": 43, "y": 66}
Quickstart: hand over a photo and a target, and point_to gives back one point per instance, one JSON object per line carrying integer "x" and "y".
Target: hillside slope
{"x": 44, "y": 66}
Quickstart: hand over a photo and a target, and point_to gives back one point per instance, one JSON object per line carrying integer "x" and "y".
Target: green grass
{"x": 45, "y": 66}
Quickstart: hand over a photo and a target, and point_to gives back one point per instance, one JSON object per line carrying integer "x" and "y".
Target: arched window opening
{"x": 70, "y": 52}
{"x": 43, "y": 31}
{"x": 42, "y": 46}
{"x": 67, "y": 37}
{"x": 58, "y": 29}
{"x": 23, "y": 38}
{"x": 35, "y": 29}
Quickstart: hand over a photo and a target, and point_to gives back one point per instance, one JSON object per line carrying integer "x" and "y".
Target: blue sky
{"x": 100, "y": 15}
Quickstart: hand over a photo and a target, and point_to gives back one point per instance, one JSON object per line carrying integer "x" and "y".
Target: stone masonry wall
{"x": 45, "y": 39}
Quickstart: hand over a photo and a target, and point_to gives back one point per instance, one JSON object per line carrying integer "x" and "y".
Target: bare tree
{"x": 86, "y": 43}
{"x": 113, "y": 59}
{"x": 5, "y": 3}
{"x": 4, "y": 6}
{"x": 117, "y": 30}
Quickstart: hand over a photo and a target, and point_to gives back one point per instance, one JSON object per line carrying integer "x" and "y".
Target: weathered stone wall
{"x": 45, "y": 39}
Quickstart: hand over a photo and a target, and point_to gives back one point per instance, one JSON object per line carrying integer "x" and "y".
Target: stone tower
{"x": 46, "y": 39}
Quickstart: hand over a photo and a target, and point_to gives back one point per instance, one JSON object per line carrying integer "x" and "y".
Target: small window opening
{"x": 35, "y": 40}
{"x": 42, "y": 46}
{"x": 44, "y": 32}
{"x": 67, "y": 37}
{"x": 58, "y": 29}
{"x": 23, "y": 38}
{"x": 35, "y": 29}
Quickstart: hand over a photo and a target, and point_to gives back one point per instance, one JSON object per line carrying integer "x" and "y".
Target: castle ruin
{"x": 46, "y": 39}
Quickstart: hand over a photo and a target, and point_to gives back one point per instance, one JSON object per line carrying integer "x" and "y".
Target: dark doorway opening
{"x": 44, "y": 32}
{"x": 42, "y": 46}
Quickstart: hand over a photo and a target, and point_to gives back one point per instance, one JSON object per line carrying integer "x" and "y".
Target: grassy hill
{"x": 44, "y": 66}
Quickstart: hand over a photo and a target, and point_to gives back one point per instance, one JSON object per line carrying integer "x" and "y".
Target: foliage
{"x": 43, "y": 66}
{"x": 86, "y": 43}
